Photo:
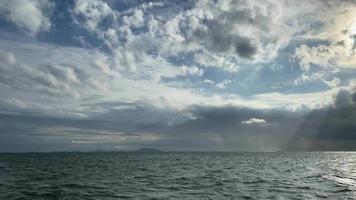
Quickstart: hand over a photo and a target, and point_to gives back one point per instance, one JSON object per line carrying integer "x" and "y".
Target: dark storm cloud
{"x": 332, "y": 128}
{"x": 244, "y": 48}
{"x": 232, "y": 128}
{"x": 225, "y": 129}
{"x": 212, "y": 128}
{"x": 354, "y": 38}
{"x": 344, "y": 98}
{"x": 206, "y": 128}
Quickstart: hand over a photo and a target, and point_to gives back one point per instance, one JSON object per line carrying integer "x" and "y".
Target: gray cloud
{"x": 7, "y": 57}
{"x": 133, "y": 124}
{"x": 225, "y": 31}
{"x": 217, "y": 38}
{"x": 332, "y": 128}
{"x": 42, "y": 80}
{"x": 64, "y": 73}
{"x": 200, "y": 128}
{"x": 223, "y": 129}
{"x": 244, "y": 48}
{"x": 344, "y": 98}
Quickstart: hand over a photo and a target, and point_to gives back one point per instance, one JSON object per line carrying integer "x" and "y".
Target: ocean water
{"x": 314, "y": 175}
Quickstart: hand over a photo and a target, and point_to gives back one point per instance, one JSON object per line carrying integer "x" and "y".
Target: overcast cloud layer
{"x": 177, "y": 75}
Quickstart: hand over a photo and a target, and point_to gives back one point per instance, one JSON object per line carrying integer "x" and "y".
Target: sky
{"x": 193, "y": 75}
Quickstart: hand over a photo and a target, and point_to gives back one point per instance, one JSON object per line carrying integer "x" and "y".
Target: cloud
{"x": 330, "y": 128}
{"x": 242, "y": 28}
{"x": 64, "y": 73}
{"x": 344, "y": 98}
{"x": 253, "y": 121}
{"x": 336, "y": 32}
{"x": 325, "y": 56}
{"x": 30, "y": 16}
{"x": 12, "y": 104}
{"x": 136, "y": 20}
{"x": 90, "y": 14}
{"x": 206, "y": 59}
{"x": 335, "y": 82}
{"x": 131, "y": 125}
{"x": 77, "y": 73}
{"x": 219, "y": 34}
{"x": 223, "y": 84}
{"x": 193, "y": 75}
{"x": 216, "y": 40}
{"x": 7, "y": 57}
{"x": 220, "y": 128}
{"x": 307, "y": 78}
{"x": 208, "y": 81}
{"x": 63, "y": 134}
{"x": 298, "y": 101}
{"x": 192, "y": 71}
{"x": 44, "y": 79}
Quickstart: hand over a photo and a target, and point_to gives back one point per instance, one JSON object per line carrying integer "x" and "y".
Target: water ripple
{"x": 104, "y": 176}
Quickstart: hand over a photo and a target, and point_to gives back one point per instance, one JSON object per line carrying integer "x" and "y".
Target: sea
{"x": 177, "y": 175}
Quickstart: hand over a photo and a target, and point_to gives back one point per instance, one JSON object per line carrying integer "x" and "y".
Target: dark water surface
{"x": 314, "y": 175}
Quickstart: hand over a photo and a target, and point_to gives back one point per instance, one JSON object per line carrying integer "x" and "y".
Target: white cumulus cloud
{"x": 253, "y": 121}
{"x": 30, "y": 15}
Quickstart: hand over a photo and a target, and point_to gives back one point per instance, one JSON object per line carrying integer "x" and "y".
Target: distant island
{"x": 147, "y": 150}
